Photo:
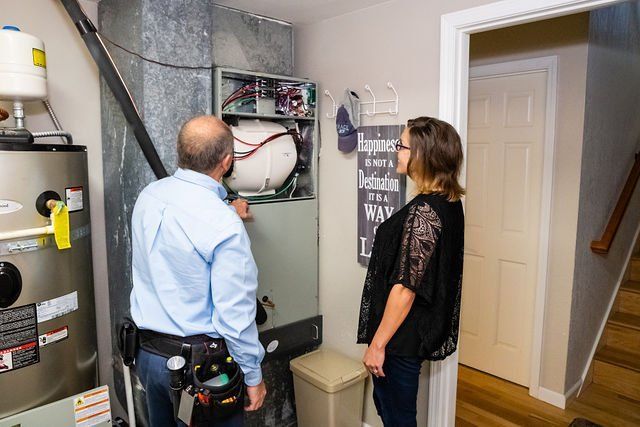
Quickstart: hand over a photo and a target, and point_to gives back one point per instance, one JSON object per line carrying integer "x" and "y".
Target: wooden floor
{"x": 484, "y": 400}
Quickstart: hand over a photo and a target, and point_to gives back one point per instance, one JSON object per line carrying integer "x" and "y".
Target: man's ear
{"x": 227, "y": 164}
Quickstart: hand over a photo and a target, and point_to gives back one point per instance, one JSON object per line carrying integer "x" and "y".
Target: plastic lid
{"x": 328, "y": 370}
{"x": 11, "y": 28}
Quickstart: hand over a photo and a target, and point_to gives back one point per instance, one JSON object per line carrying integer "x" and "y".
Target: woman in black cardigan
{"x": 410, "y": 306}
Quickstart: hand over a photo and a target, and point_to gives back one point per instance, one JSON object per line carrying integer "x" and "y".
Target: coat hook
{"x": 331, "y": 115}
{"x": 373, "y": 96}
{"x": 393, "y": 111}
{"x": 373, "y": 110}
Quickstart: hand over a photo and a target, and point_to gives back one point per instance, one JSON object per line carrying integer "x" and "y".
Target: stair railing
{"x": 603, "y": 245}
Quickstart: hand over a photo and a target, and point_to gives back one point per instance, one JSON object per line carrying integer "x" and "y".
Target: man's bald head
{"x": 203, "y": 142}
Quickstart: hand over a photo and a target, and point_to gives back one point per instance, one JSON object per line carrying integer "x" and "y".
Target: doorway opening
{"x": 454, "y": 101}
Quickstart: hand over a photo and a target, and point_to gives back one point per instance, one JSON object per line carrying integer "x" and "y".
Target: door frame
{"x": 455, "y": 31}
{"x": 548, "y": 64}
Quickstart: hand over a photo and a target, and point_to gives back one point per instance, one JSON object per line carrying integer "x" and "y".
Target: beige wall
{"x": 74, "y": 93}
{"x": 397, "y": 41}
{"x": 566, "y": 38}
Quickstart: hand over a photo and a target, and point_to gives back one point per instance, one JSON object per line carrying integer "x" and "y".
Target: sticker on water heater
{"x": 53, "y": 336}
{"x": 9, "y": 206}
{"x": 92, "y": 408}
{"x": 57, "y": 307}
{"x": 19, "y": 338}
{"x": 74, "y": 196}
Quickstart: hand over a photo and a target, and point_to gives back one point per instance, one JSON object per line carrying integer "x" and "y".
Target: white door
{"x": 506, "y": 133}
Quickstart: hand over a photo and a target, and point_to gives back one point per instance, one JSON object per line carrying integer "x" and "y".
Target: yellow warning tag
{"x": 39, "y": 58}
{"x": 60, "y": 222}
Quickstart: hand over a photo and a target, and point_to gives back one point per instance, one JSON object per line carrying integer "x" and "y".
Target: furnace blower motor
{"x": 265, "y": 155}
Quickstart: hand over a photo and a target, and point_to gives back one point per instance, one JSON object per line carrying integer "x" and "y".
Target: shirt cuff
{"x": 253, "y": 377}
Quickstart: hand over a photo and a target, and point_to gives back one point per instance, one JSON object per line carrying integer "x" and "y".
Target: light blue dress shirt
{"x": 193, "y": 271}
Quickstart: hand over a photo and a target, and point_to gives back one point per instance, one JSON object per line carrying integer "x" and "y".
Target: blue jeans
{"x": 154, "y": 376}
{"x": 395, "y": 395}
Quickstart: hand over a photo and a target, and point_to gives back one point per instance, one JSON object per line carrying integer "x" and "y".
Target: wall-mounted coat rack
{"x": 372, "y": 107}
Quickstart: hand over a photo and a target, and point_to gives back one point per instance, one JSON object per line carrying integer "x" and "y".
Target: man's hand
{"x": 256, "y": 396}
{"x": 242, "y": 208}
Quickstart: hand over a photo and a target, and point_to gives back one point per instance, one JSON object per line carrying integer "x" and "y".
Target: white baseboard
{"x": 558, "y": 399}
{"x": 552, "y": 398}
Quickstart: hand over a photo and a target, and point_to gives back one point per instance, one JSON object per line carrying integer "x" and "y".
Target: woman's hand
{"x": 395, "y": 311}
{"x": 374, "y": 359}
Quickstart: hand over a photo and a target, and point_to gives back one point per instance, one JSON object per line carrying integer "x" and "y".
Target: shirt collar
{"x": 202, "y": 180}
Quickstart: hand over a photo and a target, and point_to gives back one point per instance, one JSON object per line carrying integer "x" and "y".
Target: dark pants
{"x": 154, "y": 376}
{"x": 395, "y": 395}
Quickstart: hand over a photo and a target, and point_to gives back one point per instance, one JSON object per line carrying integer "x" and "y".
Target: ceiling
{"x": 299, "y": 11}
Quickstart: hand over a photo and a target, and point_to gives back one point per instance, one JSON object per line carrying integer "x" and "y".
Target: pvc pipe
{"x": 129, "y": 393}
{"x": 27, "y": 232}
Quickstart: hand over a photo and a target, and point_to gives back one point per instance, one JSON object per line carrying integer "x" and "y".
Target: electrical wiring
{"x": 239, "y": 102}
{"x": 292, "y": 182}
{"x": 241, "y": 92}
{"x": 284, "y": 189}
{"x": 242, "y": 155}
{"x": 289, "y": 97}
{"x": 295, "y": 185}
{"x": 257, "y": 89}
{"x": 153, "y": 61}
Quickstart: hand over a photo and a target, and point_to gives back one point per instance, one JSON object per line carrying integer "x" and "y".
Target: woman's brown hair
{"x": 436, "y": 157}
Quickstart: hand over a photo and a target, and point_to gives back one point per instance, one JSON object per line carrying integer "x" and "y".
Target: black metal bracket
{"x": 292, "y": 337}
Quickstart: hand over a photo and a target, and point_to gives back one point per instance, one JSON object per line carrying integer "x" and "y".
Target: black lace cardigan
{"x": 421, "y": 248}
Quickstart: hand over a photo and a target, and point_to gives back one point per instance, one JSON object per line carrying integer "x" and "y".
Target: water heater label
{"x": 19, "y": 338}
{"x": 57, "y": 307}
{"x": 9, "y": 206}
{"x": 74, "y": 198}
{"x": 54, "y": 336}
{"x": 92, "y": 408}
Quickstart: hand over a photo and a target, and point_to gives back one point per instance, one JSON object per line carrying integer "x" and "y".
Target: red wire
{"x": 239, "y": 96}
{"x": 247, "y": 143}
{"x": 252, "y": 152}
{"x": 239, "y": 92}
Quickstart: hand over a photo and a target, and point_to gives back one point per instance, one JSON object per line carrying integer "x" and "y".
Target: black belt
{"x": 166, "y": 345}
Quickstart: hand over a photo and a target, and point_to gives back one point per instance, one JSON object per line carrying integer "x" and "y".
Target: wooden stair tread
{"x": 631, "y": 286}
{"x": 621, "y": 358}
{"x": 627, "y": 320}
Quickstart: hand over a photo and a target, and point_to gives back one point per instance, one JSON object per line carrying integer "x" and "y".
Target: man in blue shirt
{"x": 193, "y": 271}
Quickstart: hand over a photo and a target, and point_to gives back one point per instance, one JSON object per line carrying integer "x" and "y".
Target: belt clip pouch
{"x": 128, "y": 341}
{"x": 216, "y": 401}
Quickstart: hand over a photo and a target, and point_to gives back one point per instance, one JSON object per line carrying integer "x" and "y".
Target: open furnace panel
{"x": 275, "y": 127}
{"x": 273, "y": 119}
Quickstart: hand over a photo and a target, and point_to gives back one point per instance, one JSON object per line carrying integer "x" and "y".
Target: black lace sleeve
{"x": 420, "y": 235}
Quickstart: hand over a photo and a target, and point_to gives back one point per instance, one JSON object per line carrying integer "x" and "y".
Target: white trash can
{"x": 329, "y": 389}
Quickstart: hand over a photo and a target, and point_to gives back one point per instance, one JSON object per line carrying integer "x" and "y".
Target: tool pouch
{"x": 217, "y": 396}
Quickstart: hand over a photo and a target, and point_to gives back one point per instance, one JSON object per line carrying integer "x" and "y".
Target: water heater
{"x": 48, "y": 343}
